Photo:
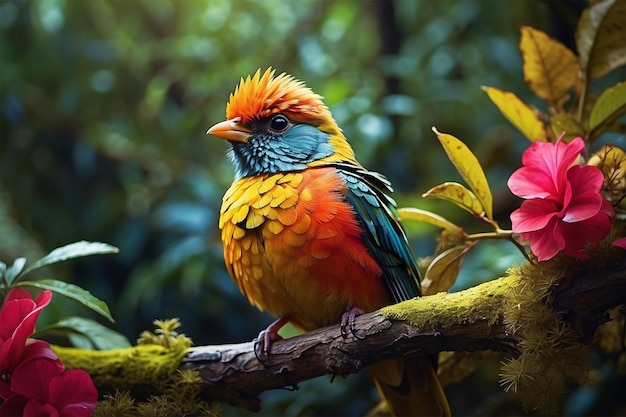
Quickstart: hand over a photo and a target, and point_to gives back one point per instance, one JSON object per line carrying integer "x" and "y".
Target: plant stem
{"x": 501, "y": 234}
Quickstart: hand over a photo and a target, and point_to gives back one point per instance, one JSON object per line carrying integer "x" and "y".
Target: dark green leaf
{"x": 87, "y": 334}
{"x": 74, "y": 292}
{"x": 72, "y": 251}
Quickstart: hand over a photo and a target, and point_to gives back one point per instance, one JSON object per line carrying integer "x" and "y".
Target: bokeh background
{"x": 104, "y": 109}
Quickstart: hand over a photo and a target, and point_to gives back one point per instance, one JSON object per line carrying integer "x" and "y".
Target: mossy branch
{"x": 143, "y": 370}
{"x": 480, "y": 318}
{"x": 474, "y": 319}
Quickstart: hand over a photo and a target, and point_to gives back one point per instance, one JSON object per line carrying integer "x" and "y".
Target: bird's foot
{"x": 263, "y": 342}
{"x": 347, "y": 320}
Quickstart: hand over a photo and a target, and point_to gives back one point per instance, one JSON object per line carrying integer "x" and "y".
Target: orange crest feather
{"x": 261, "y": 96}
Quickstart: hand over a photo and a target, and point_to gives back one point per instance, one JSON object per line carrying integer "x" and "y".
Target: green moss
{"x": 143, "y": 380}
{"x": 549, "y": 352}
{"x": 142, "y": 369}
{"x": 487, "y": 301}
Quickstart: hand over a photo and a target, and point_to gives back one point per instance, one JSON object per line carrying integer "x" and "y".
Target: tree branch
{"x": 468, "y": 320}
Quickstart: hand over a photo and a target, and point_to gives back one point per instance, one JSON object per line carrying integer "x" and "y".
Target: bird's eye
{"x": 279, "y": 123}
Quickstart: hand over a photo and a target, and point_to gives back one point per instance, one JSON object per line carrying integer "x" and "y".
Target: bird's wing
{"x": 368, "y": 192}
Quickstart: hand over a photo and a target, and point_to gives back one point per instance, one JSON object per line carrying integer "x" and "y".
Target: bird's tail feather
{"x": 410, "y": 387}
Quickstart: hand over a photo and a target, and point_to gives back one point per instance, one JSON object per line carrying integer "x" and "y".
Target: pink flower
{"x": 32, "y": 379}
{"x": 620, "y": 243}
{"x": 40, "y": 388}
{"x": 17, "y": 322}
{"x": 564, "y": 210}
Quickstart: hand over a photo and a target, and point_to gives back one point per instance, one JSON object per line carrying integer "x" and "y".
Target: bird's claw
{"x": 347, "y": 320}
{"x": 263, "y": 342}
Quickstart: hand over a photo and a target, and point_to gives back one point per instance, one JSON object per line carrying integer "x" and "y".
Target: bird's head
{"x": 277, "y": 124}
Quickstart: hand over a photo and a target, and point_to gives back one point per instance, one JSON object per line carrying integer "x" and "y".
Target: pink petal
{"x": 5, "y": 391}
{"x": 34, "y": 409}
{"x": 8, "y": 356}
{"x": 74, "y": 393}
{"x": 586, "y": 200}
{"x": 546, "y": 243}
{"x": 17, "y": 293}
{"x": 13, "y": 406}
{"x": 12, "y": 315}
{"x": 533, "y": 215}
{"x": 32, "y": 379}
{"x": 620, "y": 243}
{"x": 544, "y": 170}
{"x": 553, "y": 157}
{"x": 35, "y": 349}
{"x": 579, "y": 235}
{"x": 529, "y": 182}
{"x": 17, "y": 321}
{"x": 21, "y": 312}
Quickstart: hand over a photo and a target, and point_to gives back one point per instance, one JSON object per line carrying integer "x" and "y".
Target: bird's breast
{"x": 294, "y": 247}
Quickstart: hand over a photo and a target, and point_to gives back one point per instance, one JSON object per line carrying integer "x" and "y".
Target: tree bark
{"x": 464, "y": 321}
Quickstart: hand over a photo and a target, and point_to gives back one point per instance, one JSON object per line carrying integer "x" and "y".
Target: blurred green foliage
{"x": 104, "y": 108}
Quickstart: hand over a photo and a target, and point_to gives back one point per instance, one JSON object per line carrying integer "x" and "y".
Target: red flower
{"x": 564, "y": 210}
{"x": 40, "y": 388}
{"x": 17, "y": 322}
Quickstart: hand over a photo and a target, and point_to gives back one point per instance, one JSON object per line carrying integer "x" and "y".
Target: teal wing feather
{"x": 368, "y": 192}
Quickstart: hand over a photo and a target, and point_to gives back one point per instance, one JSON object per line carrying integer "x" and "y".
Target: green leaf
{"x": 87, "y": 334}
{"x": 457, "y": 194}
{"x": 15, "y": 270}
{"x": 600, "y": 38}
{"x": 566, "y": 123}
{"x": 73, "y": 292}
{"x": 72, "y": 251}
{"x": 610, "y": 106}
{"x": 418, "y": 215}
{"x": 468, "y": 166}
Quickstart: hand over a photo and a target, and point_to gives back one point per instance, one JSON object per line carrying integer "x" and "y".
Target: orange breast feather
{"x": 294, "y": 248}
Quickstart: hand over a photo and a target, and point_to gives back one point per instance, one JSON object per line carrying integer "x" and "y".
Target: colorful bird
{"x": 309, "y": 234}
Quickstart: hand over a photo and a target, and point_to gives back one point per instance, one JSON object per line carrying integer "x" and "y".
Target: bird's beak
{"x": 231, "y": 130}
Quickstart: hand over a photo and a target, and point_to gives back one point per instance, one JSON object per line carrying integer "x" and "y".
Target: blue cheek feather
{"x": 270, "y": 153}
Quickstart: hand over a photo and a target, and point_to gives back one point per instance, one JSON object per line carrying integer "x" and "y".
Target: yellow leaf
{"x": 611, "y": 160}
{"x": 518, "y": 113}
{"x": 468, "y": 166}
{"x": 443, "y": 270}
{"x": 550, "y": 68}
{"x": 418, "y": 215}
{"x": 600, "y": 38}
{"x": 457, "y": 194}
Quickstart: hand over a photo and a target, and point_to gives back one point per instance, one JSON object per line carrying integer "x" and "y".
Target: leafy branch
{"x": 561, "y": 79}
